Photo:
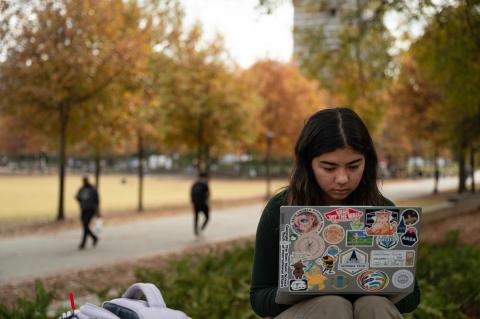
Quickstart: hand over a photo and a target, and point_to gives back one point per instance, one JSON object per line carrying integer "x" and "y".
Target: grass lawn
{"x": 36, "y": 197}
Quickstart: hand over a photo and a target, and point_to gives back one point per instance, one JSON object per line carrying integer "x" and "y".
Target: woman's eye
{"x": 354, "y": 167}
{"x": 329, "y": 169}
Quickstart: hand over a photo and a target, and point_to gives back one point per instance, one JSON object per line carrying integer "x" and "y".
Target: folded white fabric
{"x": 129, "y": 306}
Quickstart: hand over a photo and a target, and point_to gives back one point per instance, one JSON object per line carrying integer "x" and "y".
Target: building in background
{"x": 323, "y": 18}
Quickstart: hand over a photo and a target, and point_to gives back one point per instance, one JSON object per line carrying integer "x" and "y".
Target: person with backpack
{"x": 88, "y": 199}
{"x": 199, "y": 195}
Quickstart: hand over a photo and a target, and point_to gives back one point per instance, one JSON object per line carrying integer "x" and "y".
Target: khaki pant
{"x": 330, "y": 307}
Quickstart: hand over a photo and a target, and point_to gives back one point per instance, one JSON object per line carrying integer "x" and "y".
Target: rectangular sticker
{"x": 284, "y": 248}
{"x": 359, "y": 238}
{"x": 392, "y": 258}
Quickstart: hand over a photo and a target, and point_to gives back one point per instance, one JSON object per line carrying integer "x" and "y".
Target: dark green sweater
{"x": 265, "y": 265}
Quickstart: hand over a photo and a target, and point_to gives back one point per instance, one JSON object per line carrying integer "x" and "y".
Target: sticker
{"x": 357, "y": 225}
{"x": 343, "y": 214}
{"x": 328, "y": 263}
{"x": 411, "y": 217}
{"x": 284, "y": 264}
{"x": 332, "y": 250}
{"x": 402, "y": 278}
{"x": 294, "y": 257}
{"x": 381, "y": 222}
{"x": 401, "y": 227}
{"x": 333, "y": 234}
{"x": 310, "y": 244}
{"x": 298, "y": 270}
{"x": 392, "y": 258}
{"x": 353, "y": 261}
{"x": 358, "y": 238}
{"x": 293, "y": 237}
{"x": 306, "y": 220}
{"x": 410, "y": 238}
{"x": 298, "y": 285}
{"x": 372, "y": 280}
{"x": 387, "y": 241}
{"x": 315, "y": 278}
{"x": 340, "y": 281}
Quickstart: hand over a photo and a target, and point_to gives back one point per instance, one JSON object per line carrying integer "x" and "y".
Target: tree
{"x": 449, "y": 55}
{"x": 65, "y": 55}
{"x": 287, "y": 99}
{"x": 350, "y": 55}
{"x": 207, "y": 104}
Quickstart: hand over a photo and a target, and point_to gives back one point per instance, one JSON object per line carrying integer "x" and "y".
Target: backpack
{"x": 129, "y": 306}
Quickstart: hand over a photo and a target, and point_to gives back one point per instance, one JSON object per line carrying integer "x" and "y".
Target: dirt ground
{"x": 88, "y": 281}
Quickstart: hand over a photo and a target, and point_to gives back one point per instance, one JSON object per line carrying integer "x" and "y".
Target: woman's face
{"x": 338, "y": 173}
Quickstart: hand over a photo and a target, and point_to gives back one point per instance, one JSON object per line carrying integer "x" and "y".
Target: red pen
{"x": 72, "y": 303}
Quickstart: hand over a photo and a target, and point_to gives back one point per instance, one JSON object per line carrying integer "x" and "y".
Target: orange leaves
{"x": 287, "y": 99}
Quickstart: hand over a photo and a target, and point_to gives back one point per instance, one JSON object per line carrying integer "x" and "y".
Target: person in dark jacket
{"x": 88, "y": 199}
{"x": 335, "y": 164}
{"x": 199, "y": 195}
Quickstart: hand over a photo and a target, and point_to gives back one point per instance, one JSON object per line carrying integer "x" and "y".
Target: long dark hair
{"x": 326, "y": 131}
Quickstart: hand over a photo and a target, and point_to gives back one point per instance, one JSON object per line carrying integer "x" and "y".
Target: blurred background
{"x": 144, "y": 95}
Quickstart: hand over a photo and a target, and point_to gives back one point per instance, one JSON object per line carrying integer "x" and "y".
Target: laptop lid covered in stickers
{"x": 346, "y": 250}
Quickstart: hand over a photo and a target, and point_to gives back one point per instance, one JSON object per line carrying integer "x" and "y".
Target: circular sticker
{"x": 411, "y": 217}
{"x": 332, "y": 250}
{"x": 402, "y": 278}
{"x": 372, "y": 280}
{"x": 310, "y": 244}
{"x": 306, "y": 220}
{"x": 333, "y": 233}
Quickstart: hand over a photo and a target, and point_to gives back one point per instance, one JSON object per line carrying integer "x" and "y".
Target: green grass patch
{"x": 216, "y": 284}
{"x": 27, "y": 198}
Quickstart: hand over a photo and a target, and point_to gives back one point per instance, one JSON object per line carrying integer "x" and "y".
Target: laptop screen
{"x": 346, "y": 250}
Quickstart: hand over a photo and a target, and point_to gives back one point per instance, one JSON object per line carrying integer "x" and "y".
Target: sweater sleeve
{"x": 265, "y": 265}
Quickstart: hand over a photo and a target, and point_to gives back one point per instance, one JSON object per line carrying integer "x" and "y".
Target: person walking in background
{"x": 88, "y": 199}
{"x": 199, "y": 195}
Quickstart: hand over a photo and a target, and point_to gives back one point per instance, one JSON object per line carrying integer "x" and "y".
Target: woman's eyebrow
{"x": 336, "y": 164}
{"x": 355, "y": 161}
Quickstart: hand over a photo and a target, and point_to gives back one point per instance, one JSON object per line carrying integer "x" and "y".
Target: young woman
{"x": 335, "y": 164}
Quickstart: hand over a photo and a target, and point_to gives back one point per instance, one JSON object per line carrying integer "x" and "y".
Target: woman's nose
{"x": 341, "y": 177}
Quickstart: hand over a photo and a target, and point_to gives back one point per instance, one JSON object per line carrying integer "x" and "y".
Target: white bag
{"x": 98, "y": 225}
{"x": 129, "y": 306}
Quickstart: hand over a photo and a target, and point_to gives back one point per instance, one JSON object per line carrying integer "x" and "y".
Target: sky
{"x": 249, "y": 33}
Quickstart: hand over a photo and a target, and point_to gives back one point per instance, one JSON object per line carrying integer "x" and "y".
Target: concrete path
{"x": 32, "y": 256}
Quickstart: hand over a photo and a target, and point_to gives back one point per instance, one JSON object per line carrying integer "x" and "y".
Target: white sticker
{"x": 284, "y": 265}
{"x": 402, "y": 278}
{"x": 392, "y": 258}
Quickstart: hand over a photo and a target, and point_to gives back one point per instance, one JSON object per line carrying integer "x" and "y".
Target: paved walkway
{"x": 31, "y": 256}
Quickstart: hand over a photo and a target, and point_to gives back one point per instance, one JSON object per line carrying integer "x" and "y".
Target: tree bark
{"x": 97, "y": 170}
{"x": 63, "y": 117}
{"x": 472, "y": 168}
{"x": 436, "y": 170}
{"x": 461, "y": 168}
{"x": 141, "y": 156}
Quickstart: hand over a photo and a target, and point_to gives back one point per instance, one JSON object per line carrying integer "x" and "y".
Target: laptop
{"x": 346, "y": 250}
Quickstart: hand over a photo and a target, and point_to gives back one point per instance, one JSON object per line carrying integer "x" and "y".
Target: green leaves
{"x": 29, "y": 309}
{"x": 213, "y": 285}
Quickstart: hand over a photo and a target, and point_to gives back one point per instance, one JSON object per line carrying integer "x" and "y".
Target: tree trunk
{"x": 61, "y": 160}
{"x": 472, "y": 168}
{"x": 97, "y": 170}
{"x": 141, "y": 156}
{"x": 461, "y": 168}
{"x": 436, "y": 170}
{"x": 200, "y": 148}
